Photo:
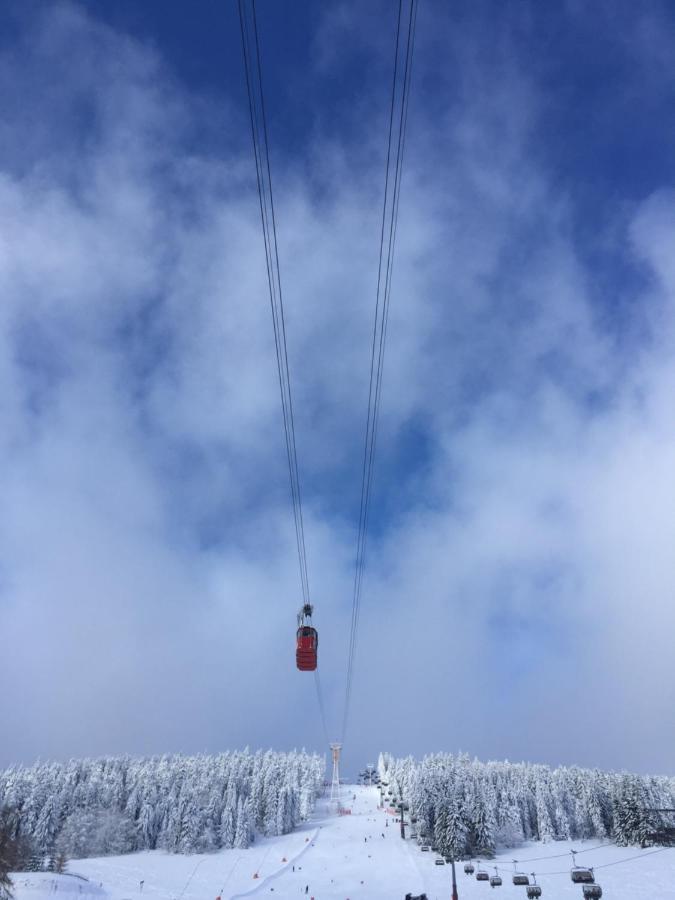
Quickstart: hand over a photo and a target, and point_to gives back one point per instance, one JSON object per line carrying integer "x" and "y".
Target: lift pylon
{"x": 335, "y": 783}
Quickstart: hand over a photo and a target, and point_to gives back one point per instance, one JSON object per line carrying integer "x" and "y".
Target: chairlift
{"x": 496, "y": 879}
{"x": 661, "y": 831}
{"x": 482, "y": 875}
{"x": 468, "y": 868}
{"x": 580, "y": 874}
{"x": 592, "y": 892}
{"x": 519, "y": 877}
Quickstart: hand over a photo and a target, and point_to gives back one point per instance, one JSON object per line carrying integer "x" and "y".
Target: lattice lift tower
{"x": 335, "y": 784}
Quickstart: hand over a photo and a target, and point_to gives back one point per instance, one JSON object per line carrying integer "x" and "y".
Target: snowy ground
{"x": 346, "y": 858}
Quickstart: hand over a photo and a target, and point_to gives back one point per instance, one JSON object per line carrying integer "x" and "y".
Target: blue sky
{"x": 522, "y": 507}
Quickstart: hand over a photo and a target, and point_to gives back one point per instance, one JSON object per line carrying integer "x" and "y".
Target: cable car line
{"x": 380, "y": 325}
{"x": 396, "y": 137}
{"x": 259, "y": 135}
{"x": 307, "y": 638}
{"x": 322, "y": 710}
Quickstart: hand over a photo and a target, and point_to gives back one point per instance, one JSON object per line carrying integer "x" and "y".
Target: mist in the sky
{"x": 518, "y": 597}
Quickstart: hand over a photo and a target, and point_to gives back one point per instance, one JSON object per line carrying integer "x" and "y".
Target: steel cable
{"x": 396, "y": 137}
{"x": 258, "y": 120}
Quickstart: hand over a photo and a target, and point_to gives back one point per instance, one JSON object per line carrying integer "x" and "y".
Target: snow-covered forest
{"x": 468, "y": 808}
{"x": 183, "y": 804}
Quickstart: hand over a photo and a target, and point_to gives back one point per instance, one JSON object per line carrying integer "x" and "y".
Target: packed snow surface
{"x": 359, "y": 856}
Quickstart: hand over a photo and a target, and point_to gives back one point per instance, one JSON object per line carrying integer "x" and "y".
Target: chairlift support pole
{"x": 455, "y": 895}
{"x": 335, "y": 784}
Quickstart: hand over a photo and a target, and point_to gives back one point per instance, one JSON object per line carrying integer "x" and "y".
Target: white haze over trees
{"x": 181, "y": 804}
{"x": 468, "y": 808}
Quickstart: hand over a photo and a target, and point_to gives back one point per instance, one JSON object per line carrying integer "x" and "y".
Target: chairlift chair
{"x": 496, "y": 879}
{"x": 482, "y": 875}
{"x": 468, "y": 868}
{"x": 592, "y": 892}
{"x": 519, "y": 877}
{"x": 533, "y": 890}
{"x": 579, "y": 875}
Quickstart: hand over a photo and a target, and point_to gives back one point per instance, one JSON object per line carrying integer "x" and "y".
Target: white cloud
{"x": 147, "y": 563}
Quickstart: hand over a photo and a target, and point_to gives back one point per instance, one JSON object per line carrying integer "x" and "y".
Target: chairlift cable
{"x": 617, "y": 862}
{"x": 631, "y": 858}
{"x": 561, "y": 855}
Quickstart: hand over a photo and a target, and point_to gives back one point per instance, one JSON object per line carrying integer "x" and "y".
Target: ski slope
{"x": 347, "y": 858}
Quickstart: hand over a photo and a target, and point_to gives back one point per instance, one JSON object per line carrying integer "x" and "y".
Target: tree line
{"x": 467, "y": 808}
{"x": 182, "y": 804}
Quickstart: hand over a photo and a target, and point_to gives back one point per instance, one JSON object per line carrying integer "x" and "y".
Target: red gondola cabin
{"x": 305, "y": 653}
